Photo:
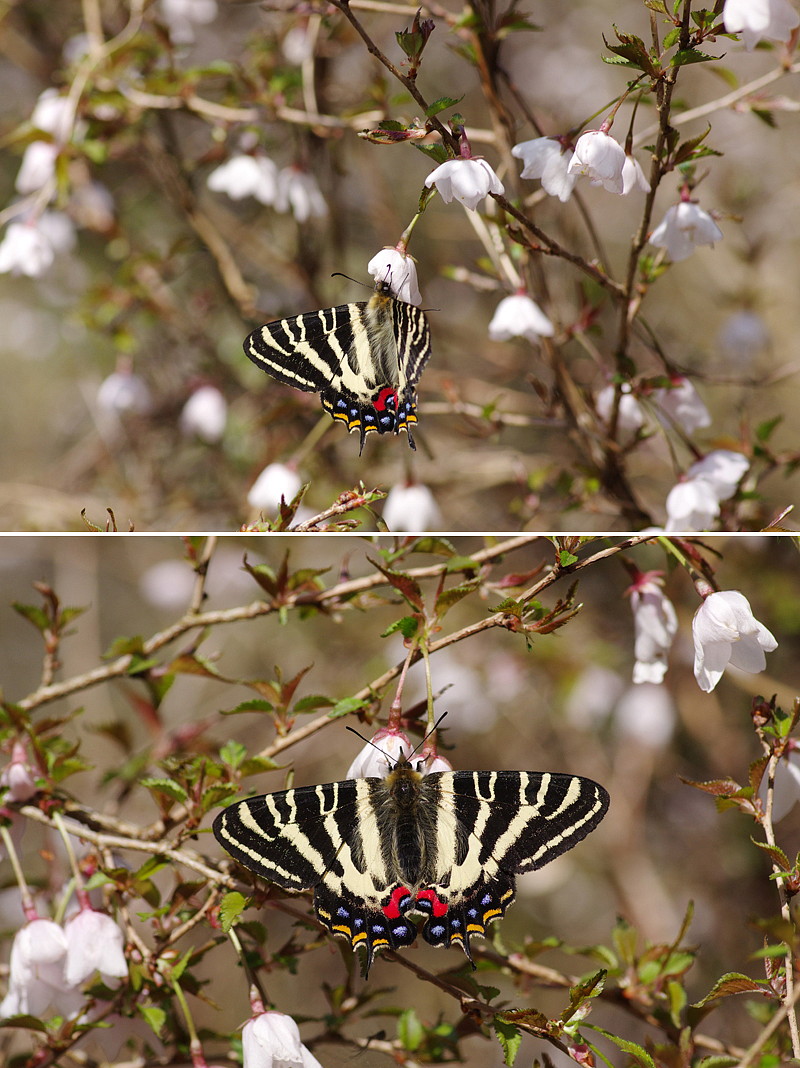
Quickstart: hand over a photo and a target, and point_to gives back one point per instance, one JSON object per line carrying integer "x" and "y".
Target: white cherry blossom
{"x": 276, "y": 481}
{"x": 299, "y": 191}
{"x": 726, "y": 633}
{"x": 94, "y": 943}
{"x": 399, "y": 270}
{"x": 371, "y": 763}
{"x": 468, "y": 181}
{"x": 600, "y": 158}
{"x": 630, "y": 416}
{"x": 681, "y": 402}
{"x": 205, "y": 414}
{"x": 691, "y": 505}
{"x": 684, "y": 227}
{"x": 246, "y": 176}
{"x": 655, "y": 624}
{"x": 411, "y": 507}
{"x": 759, "y": 19}
{"x": 548, "y": 160}
{"x": 633, "y": 177}
{"x": 519, "y": 316}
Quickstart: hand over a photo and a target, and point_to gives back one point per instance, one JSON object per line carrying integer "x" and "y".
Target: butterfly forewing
{"x": 447, "y": 846}
{"x": 364, "y": 359}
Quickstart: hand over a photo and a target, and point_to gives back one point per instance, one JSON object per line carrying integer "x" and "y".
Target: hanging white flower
{"x": 692, "y": 505}
{"x": 276, "y": 481}
{"x": 272, "y": 1040}
{"x": 399, "y": 270}
{"x": 376, "y": 763}
{"x": 468, "y": 181}
{"x": 655, "y": 624}
{"x": 726, "y": 633}
{"x": 684, "y": 227}
{"x": 299, "y": 191}
{"x": 630, "y": 416}
{"x": 633, "y": 177}
{"x": 411, "y": 507}
{"x": 519, "y": 316}
{"x": 94, "y": 943}
{"x": 682, "y": 403}
{"x": 600, "y": 158}
{"x": 181, "y": 17}
{"x": 723, "y": 469}
{"x": 759, "y": 19}
{"x": 548, "y": 160}
{"x": 205, "y": 414}
{"x": 246, "y": 176}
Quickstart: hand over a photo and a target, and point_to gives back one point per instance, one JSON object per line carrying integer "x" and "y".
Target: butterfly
{"x": 364, "y": 359}
{"x": 446, "y": 846}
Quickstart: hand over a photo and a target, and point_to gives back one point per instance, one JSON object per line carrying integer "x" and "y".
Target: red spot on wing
{"x": 438, "y": 906}
{"x": 396, "y": 903}
{"x": 387, "y": 398}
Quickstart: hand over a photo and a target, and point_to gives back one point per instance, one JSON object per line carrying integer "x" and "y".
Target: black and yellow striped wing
{"x": 364, "y": 359}
{"x": 447, "y": 846}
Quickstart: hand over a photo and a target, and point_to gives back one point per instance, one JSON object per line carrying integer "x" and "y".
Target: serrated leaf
{"x": 165, "y": 786}
{"x": 450, "y": 597}
{"x": 731, "y": 983}
{"x": 764, "y": 430}
{"x": 408, "y": 627}
{"x": 405, "y": 585}
{"x": 689, "y": 55}
{"x": 312, "y": 703}
{"x": 442, "y": 104}
{"x": 567, "y": 559}
{"x": 257, "y": 764}
{"x": 510, "y": 1040}
{"x": 776, "y": 854}
{"x": 30, "y": 1023}
{"x": 639, "y": 1054}
{"x": 254, "y": 705}
{"x": 231, "y": 907}
{"x": 233, "y": 753}
{"x": 346, "y": 706}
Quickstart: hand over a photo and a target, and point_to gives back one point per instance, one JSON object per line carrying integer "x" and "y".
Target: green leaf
{"x": 410, "y": 1031}
{"x": 124, "y": 646}
{"x": 639, "y": 1054}
{"x": 312, "y": 703}
{"x": 232, "y": 754}
{"x": 733, "y": 983}
{"x": 442, "y": 104}
{"x": 689, "y": 55}
{"x": 567, "y": 559}
{"x": 230, "y": 909}
{"x": 257, "y": 764}
{"x": 33, "y": 614}
{"x": 346, "y": 706}
{"x": 165, "y": 786}
{"x": 408, "y": 627}
{"x": 30, "y": 1023}
{"x": 509, "y": 1038}
{"x": 764, "y": 430}
{"x": 254, "y": 705}
{"x": 447, "y": 598}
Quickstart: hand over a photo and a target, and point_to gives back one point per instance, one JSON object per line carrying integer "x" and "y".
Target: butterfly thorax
{"x": 406, "y": 815}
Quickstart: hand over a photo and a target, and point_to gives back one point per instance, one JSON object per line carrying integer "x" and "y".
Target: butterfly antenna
{"x": 340, "y": 274}
{"x": 427, "y": 736}
{"x": 369, "y": 741}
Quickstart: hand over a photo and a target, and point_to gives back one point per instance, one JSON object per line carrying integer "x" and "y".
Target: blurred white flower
{"x": 94, "y": 943}
{"x": 36, "y": 970}
{"x": 547, "y": 159}
{"x": 26, "y": 250}
{"x": 519, "y": 316}
{"x": 723, "y": 469}
{"x": 655, "y": 624}
{"x": 372, "y": 763}
{"x": 181, "y": 17}
{"x": 630, "y": 416}
{"x": 757, "y": 19}
{"x": 272, "y": 1040}
{"x": 276, "y": 481}
{"x": 683, "y": 228}
{"x": 399, "y": 270}
{"x": 726, "y": 632}
{"x": 124, "y": 392}
{"x": 92, "y": 205}
{"x": 742, "y": 337}
{"x": 633, "y": 177}
{"x": 18, "y": 777}
{"x": 468, "y": 181}
{"x": 593, "y": 697}
{"x": 682, "y": 403}
{"x": 300, "y": 191}
{"x": 646, "y": 714}
{"x": 38, "y": 166}
{"x": 691, "y": 505}
{"x": 205, "y": 414}
{"x": 411, "y": 507}
{"x": 58, "y": 229}
{"x": 297, "y": 45}
{"x": 246, "y": 176}
{"x": 600, "y": 158}
{"x": 53, "y": 113}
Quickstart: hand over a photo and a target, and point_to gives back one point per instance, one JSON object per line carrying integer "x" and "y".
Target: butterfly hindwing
{"x": 447, "y": 846}
{"x": 364, "y": 359}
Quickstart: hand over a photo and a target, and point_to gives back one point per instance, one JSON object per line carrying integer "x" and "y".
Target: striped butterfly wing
{"x": 364, "y": 359}
{"x": 447, "y": 846}
{"x": 493, "y": 827}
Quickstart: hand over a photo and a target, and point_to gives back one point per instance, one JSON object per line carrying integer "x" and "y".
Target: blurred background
{"x": 158, "y": 279}
{"x": 567, "y": 704}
